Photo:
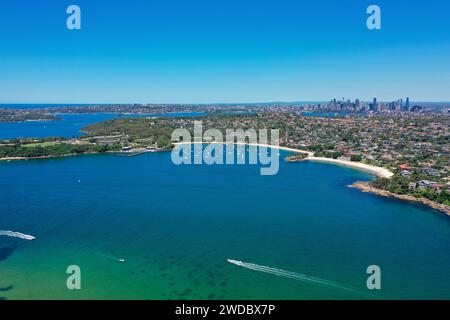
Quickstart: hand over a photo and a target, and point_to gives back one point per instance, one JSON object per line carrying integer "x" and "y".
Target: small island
{"x": 296, "y": 157}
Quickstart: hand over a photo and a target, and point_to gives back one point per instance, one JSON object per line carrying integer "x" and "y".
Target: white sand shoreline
{"x": 378, "y": 171}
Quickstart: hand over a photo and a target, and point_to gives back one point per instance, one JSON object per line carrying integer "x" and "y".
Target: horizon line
{"x": 209, "y": 103}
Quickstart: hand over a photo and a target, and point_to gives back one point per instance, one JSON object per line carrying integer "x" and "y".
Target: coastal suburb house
{"x": 404, "y": 167}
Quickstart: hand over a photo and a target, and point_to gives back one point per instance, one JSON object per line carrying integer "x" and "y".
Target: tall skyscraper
{"x": 373, "y": 105}
{"x": 407, "y": 104}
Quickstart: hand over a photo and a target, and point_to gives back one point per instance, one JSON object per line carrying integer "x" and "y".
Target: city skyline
{"x": 404, "y": 101}
{"x": 233, "y": 52}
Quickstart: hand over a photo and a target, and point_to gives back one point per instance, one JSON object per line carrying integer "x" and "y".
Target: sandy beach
{"x": 378, "y": 171}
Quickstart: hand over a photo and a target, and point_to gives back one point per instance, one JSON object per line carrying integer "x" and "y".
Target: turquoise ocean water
{"x": 176, "y": 226}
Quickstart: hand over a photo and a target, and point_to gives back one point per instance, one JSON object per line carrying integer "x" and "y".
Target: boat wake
{"x": 292, "y": 275}
{"x": 107, "y": 256}
{"x": 16, "y": 235}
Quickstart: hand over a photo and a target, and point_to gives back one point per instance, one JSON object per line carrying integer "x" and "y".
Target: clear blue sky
{"x": 197, "y": 51}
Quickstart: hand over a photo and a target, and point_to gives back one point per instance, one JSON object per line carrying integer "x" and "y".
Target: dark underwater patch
{"x": 6, "y": 289}
{"x": 5, "y": 252}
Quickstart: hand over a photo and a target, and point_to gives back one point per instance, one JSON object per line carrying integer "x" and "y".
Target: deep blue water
{"x": 177, "y": 225}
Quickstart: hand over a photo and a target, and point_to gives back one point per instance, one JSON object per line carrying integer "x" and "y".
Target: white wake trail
{"x": 107, "y": 256}
{"x": 291, "y": 275}
{"x": 16, "y": 235}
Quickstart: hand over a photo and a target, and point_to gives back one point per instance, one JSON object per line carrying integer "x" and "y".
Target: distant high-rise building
{"x": 407, "y": 104}
{"x": 401, "y": 106}
{"x": 374, "y": 105}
